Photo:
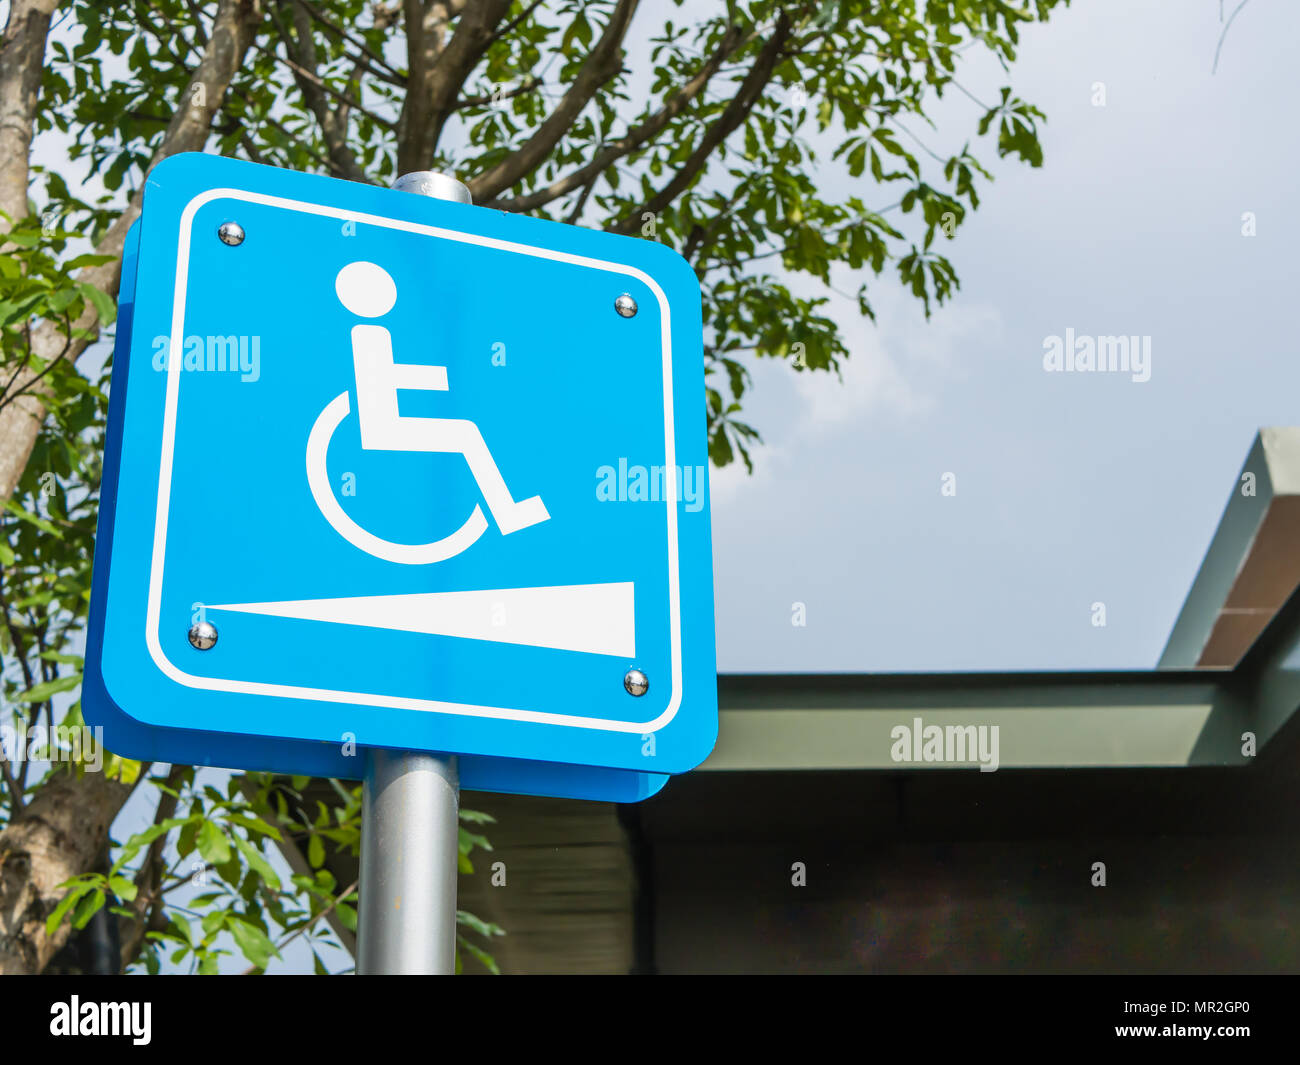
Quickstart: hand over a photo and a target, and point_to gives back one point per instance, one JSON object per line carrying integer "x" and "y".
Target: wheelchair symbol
{"x": 368, "y": 291}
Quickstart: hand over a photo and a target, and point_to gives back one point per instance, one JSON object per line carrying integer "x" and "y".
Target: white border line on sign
{"x": 289, "y": 691}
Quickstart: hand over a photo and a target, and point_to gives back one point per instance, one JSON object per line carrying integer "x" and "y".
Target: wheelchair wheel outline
{"x": 318, "y": 442}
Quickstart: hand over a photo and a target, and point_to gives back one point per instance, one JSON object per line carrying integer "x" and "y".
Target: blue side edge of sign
{"x": 128, "y": 737}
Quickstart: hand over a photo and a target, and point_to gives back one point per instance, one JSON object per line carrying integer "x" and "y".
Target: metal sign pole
{"x": 409, "y": 829}
{"x": 410, "y": 823}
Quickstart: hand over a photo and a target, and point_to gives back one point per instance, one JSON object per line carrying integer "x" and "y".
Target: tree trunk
{"x": 63, "y": 830}
{"x": 231, "y": 36}
{"x": 60, "y": 834}
{"x": 21, "y": 60}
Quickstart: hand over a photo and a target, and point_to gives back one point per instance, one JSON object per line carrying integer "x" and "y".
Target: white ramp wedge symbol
{"x": 368, "y": 291}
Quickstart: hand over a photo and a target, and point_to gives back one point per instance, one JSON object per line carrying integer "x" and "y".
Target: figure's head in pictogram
{"x": 366, "y": 289}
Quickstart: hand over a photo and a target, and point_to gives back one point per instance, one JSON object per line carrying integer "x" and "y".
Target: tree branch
{"x": 333, "y": 123}
{"x": 515, "y": 22}
{"x": 635, "y": 137}
{"x": 148, "y": 880}
{"x": 31, "y": 379}
{"x": 22, "y": 58}
{"x": 305, "y": 73}
{"x": 19, "y": 648}
{"x": 751, "y": 89}
{"x": 310, "y": 923}
{"x": 575, "y": 212}
{"x": 382, "y": 18}
{"x": 437, "y": 73}
{"x": 232, "y": 33}
{"x": 527, "y": 85}
{"x": 604, "y": 61}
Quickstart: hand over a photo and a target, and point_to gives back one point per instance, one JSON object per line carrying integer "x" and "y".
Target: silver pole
{"x": 410, "y": 822}
{"x": 409, "y": 830}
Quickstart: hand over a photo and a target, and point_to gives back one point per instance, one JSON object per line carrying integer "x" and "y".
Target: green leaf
{"x": 214, "y": 847}
{"x": 62, "y": 659}
{"x": 483, "y": 928}
{"x": 77, "y": 262}
{"x": 133, "y": 846}
{"x": 254, "y": 824}
{"x": 123, "y": 888}
{"x": 232, "y": 872}
{"x": 104, "y": 305}
{"x": 252, "y": 941}
{"x": 87, "y": 906}
{"x": 39, "y": 693}
{"x": 77, "y": 890}
{"x": 857, "y": 159}
{"x": 484, "y": 958}
{"x": 182, "y": 928}
{"x": 188, "y": 838}
{"x": 469, "y": 840}
{"x": 259, "y": 863}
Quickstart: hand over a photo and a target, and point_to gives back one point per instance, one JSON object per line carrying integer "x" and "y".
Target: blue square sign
{"x": 394, "y": 472}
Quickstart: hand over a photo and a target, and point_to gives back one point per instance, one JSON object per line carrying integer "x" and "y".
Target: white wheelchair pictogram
{"x": 368, "y": 291}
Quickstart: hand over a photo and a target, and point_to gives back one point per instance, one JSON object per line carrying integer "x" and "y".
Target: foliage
{"x": 47, "y": 528}
{"x": 236, "y": 898}
{"x": 845, "y": 84}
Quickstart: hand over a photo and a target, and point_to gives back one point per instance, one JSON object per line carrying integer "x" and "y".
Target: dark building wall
{"x": 567, "y": 904}
{"x": 954, "y": 871}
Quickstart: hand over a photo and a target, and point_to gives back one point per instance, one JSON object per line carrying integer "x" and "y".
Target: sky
{"x": 1064, "y": 490}
{"x": 1071, "y": 488}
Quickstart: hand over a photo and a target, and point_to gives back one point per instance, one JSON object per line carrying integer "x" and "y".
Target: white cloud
{"x": 896, "y": 364}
